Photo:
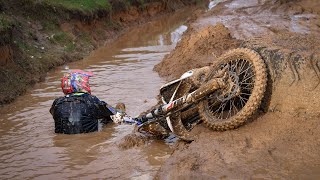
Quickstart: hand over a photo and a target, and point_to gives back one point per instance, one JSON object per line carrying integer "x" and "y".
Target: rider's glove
{"x": 117, "y": 118}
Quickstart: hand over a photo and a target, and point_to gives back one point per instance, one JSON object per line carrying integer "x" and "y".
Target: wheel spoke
{"x": 246, "y": 83}
{"x": 243, "y": 99}
{"x": 246, "y": 94}
{"x": 210, "y": 107}
{"x": 224, "y": 105}
{"x": 233, "y": 67}
{"x": 241, "y": 67}
{"x": 247, "y": 78}
{"x": 229, "y": 113}
{"x": 250, "y": 66}
{"x": 240, "y": 100}
{"x": 247, "y": 89}
{"x": 235, "y": 108}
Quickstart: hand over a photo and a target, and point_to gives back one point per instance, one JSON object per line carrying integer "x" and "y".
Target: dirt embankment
{"x": 283, "y": 140}
{"x": 37, "y": 36}
{"x": 196, "y": 49}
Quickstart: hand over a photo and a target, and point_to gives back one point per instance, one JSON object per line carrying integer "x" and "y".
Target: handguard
{"x": 118, "y": 117}
{"x": 121, "y": 117}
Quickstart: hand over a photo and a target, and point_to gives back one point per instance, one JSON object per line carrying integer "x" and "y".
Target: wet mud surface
{"x": 274, "y": 146}
{"x": 281, "y": 140}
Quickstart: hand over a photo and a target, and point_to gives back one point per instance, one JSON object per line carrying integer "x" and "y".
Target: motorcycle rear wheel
{"x": 232, "y": 112}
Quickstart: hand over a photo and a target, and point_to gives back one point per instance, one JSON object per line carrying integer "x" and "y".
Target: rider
{"x": 79, "y": 111}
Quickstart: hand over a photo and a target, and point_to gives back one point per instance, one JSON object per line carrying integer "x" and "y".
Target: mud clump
{"x": 142, "y": 137}
{"x": 197, "y": 49}
{"x": 132, "y": 140}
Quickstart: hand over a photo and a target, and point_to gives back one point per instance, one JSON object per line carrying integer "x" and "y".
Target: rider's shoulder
{"x": 58, "y": 100}
{"x": 93, "y": 97}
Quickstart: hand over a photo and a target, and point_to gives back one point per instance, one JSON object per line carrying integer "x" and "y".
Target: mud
{"x": 133, "y": 140}
{"x": 293, "y": 63}
{"x": 281, "y": 140}
{"x": 197, "y": 49}
{"x": 274, "y": 146}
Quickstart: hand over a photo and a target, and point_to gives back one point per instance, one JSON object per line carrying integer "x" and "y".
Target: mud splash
{"x": 122, "y": 73}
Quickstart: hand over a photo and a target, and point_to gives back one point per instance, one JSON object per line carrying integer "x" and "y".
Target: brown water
{"x": 122, "y": 73}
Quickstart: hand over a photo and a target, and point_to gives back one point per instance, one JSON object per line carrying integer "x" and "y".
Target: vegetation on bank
{"x": 89, "y": 6}
{"x": 94, "y": 5}
{"x": 82, "y": 5}
{"x": 6, "y": 23}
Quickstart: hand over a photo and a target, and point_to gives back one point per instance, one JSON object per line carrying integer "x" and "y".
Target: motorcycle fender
{"x": 184, "y": 76}
{"x": 169, "y": 124}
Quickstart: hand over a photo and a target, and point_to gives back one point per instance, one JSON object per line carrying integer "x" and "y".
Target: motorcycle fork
{"x": 185, "y": 101}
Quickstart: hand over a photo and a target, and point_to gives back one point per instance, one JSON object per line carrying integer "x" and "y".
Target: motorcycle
{"x": 221, "y": 96}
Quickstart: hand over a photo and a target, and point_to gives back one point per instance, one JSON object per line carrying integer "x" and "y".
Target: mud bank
{"x": 36, "y": 37}
{"x": 281, "y": 140}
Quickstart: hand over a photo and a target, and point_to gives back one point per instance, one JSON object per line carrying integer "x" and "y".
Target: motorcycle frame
{"x": 166, "y": 109}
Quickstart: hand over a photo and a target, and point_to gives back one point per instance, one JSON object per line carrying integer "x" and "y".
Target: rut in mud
{"x": 294, "y": 76}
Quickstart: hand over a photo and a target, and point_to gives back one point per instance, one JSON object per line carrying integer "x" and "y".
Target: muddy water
{"x": 122, "y": 73}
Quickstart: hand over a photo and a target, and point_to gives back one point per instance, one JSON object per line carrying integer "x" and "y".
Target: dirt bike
{"x": 222, "y": 96}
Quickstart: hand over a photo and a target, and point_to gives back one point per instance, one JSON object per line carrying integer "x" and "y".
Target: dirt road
{"x": 283, "y": 140}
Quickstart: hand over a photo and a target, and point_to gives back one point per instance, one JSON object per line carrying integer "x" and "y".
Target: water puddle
{"x": 122, "y": 73}
{"x": 301, "y": 23}
{"x": 213, "y": 3}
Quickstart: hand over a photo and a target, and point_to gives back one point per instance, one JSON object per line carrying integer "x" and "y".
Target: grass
{"x": 70, "y": 47}
{"x": 61, "y": 37}
{"x": 82, "y": 5}
{"x": 92, "y": 5}
{"x": 64, "y": 40}
{"x": 50, "y": 25}
{"x": 5, "y": 23}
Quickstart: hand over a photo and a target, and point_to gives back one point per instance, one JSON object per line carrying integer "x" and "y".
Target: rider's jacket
{"x": 79, "y": 113}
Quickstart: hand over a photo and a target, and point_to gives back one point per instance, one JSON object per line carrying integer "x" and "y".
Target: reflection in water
{"x": 122, "y": 73}
{"x": 213, "y": 3}
{"x": 301, "y": 23}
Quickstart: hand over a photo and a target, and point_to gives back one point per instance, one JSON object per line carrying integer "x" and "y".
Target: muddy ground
{"x": 282, "y": 140}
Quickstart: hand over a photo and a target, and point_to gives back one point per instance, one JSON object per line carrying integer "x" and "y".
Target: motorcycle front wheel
{"x": 234, "y": 109}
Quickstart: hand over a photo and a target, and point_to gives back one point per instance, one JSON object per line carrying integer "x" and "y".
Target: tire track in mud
{"x": 293, "y": 63}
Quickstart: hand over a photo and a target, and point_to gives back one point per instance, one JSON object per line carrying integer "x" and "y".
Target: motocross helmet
{"x": 76, "y": 81}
